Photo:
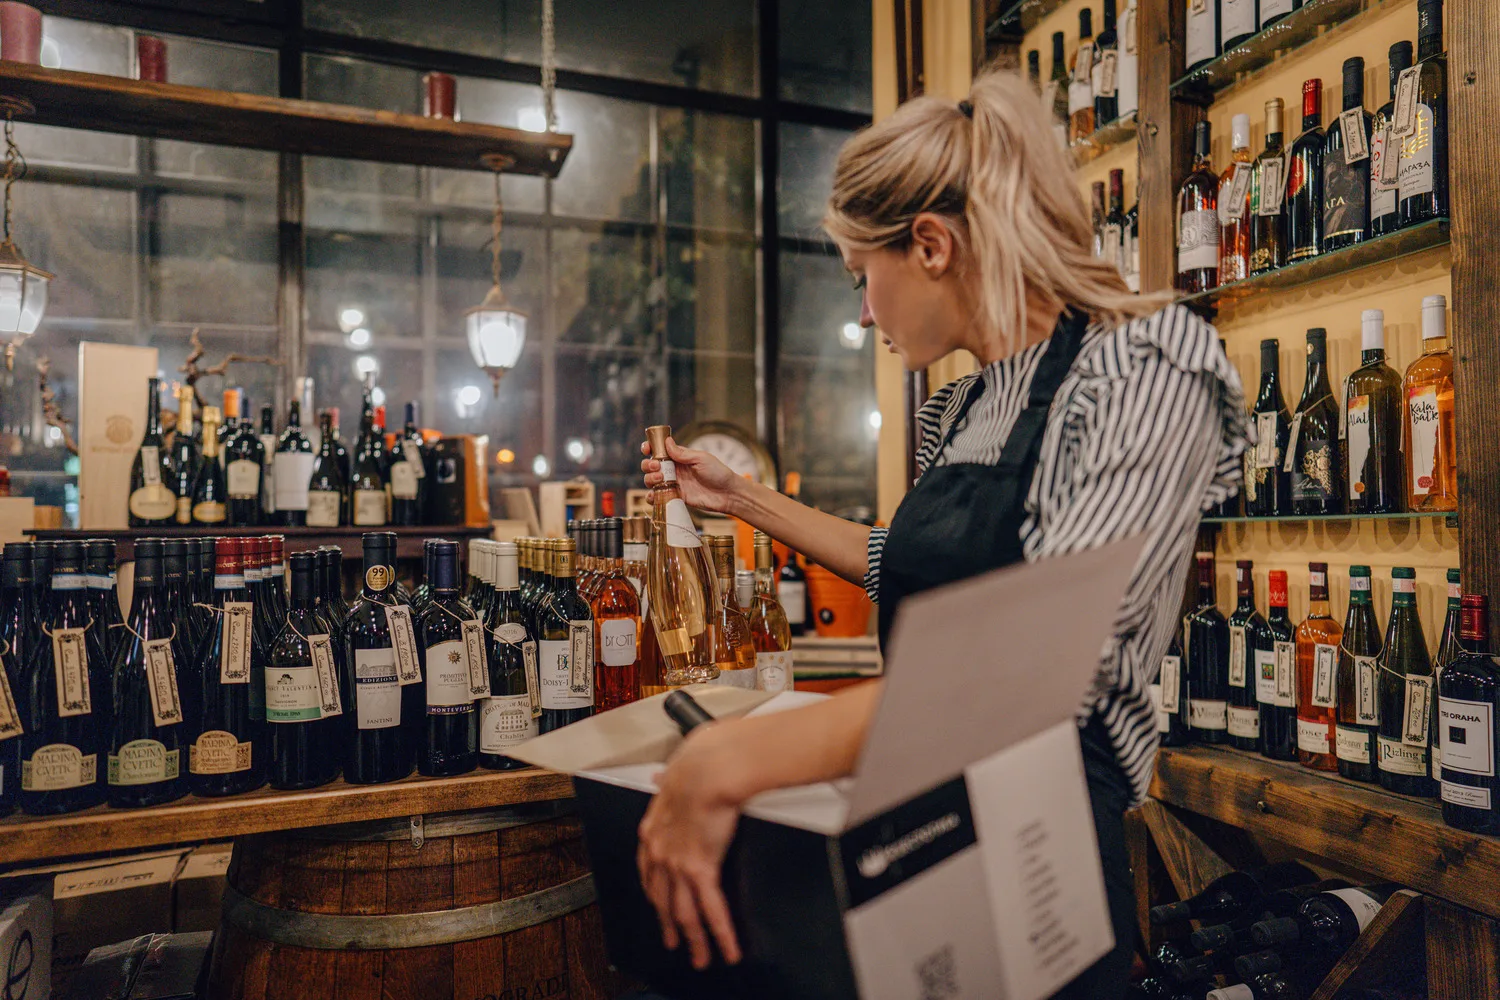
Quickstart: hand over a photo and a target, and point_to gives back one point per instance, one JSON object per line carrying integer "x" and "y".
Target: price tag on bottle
{"x": 161, "y": 682}
{"x": 1265, "y": 440}
{"x": 1286, "y": 674}
{"x": 1390, "y": 160}
{"x": 70, "y": 662}
{"x": 328, "y": 679}
{"x": 1237, "y": 655}
{"x": 1109, "y": 65}
{"x": 1366, "y": 691}
{"x": 404, "y": 642}
{"x": 413, "y": 456}
{"x": 235, "y": 629}
{"x": 1415, "y": 710}
{"x": 581, "y": 661}
{"x": 1128, "y": 33}
{"x": 1404, "y": 122}
{"x": 1325, "y": 672}
{"x": 1083, "y": 63}
{"x": 150, "y": 465}
{"x": 1198, "y": 7}
{"x": 10, "y": 718}
{"x": 1291, "y": 442}
{"x": 533, "y": 681}
{"x": 1171, "y": 684}
{"x": 1356, "y": 143}
{"x": 479, "y": 670}
{"x": 1239, "y": 193}
{"x": 1272, "y": 186}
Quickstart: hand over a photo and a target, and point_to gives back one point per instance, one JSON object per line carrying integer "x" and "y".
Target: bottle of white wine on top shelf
{"x": 684, "y": 591}
{"x": 152, "y": 501}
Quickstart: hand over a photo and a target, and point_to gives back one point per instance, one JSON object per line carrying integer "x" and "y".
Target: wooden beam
{"x": 1463, "y": 953}
{"x": 1139, "y": 848}
{"x": 1391, "y": 950}
{"x": 1190, "y": 862}
{"x": 1165, "y": 136}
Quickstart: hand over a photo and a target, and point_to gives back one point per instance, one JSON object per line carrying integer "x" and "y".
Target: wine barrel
{"x": 490, "y": 905}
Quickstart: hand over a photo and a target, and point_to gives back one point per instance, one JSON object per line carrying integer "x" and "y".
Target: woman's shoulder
{"x": 1173, "y": 335}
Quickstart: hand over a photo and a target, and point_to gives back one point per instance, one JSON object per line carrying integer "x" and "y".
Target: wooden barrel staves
{"x": 492, "y": 905}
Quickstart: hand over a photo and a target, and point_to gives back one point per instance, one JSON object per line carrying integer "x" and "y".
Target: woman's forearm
{"x": 831, "y": 542}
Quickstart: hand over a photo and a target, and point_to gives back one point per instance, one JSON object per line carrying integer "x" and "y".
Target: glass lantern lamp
{"x": 496, "y": 330}
{"x": 23, "y": 285}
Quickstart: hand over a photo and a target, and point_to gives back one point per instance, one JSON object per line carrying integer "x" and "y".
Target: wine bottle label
{"x": 1238, "y": 18}
{"x": 1358, "y": 423}
{"x": 681, "y": 534}
{"x": 10, "y": 717}
{"x": 1466, "y": 795}
{"x": 773, "y": 671}
{"x": 404, "y": 643}
{"x": 219, "y": 752}
{"x": 1313, "y": 471}
{"x": 70, "y": 662}
{"x": 143, "y": 762}
{"x": 377, "y": 689}
{"x": 403, "y": 481}
{"x": 1414, "y": 172}
{"x": 1202, "y": 32}
{"x": 1112, "y": 243}
{"x": 242, "y": 478}
{"x": 1239, "y": 991}
{"x": 1236, "y": 196}
{"x": 1314, "y": 737}
{"x": 1207, "y": 714}
{"x": 1385, "y": 166}
{"x": 581, "y": 666}
{"x": 412, "y": 456}
{"x": 1163, "y": 720}
{"x": 1422, "y": 410}
{"x": 474, "y": 658}
{"x": 1366, "y": 691}
{"x": 1364, "y": 906}
{"x": 369, "y": 508}
{"x": 1274, "y": 8}
{"x": 1127, "y": 29}
{"x": 1352, "y": 745}
{"x": 504, "y": 722}
{"x": 1325, "y": 673}
{"x": 161, "y": 682}
{"x": 153, "y": 502}
{"x": 209, "y": 512}
{"x": 330, "y": 702}
{"x": 1198, "y": 240}
{"x": 1244, "y": 722}
{"x": 1346, "y": 200}
{"x": 555, "y": 659}
{"x": 1283, "y": 688}
{"x": 184, "y": 510}
{"x": 57, "y": 766}
{"x": 617, "y": 641}
{"x": 1416, "y": 705}
{"x": 1237, "y": 656}
{"x": 293, "y": 469}
{"x": 322, "y": 508}
{"x": 533, "y": 680}
{"x": 292, "y": 694}
{"x": 1404, "y": 119}
{"x": 744, "y": 679}
{"x": 448, "y": 679}
{"x": 1265, "y": 440}
{"x": 1352, "y": 126}
{"x": 1265, "y": 676}
{"x": 793, "y": 596}
{"x": 1398, "y": 758}
{"x": 1171, "y": 684}
{"x": 1270, "y": 186}
{"x": 235, "y": 629}
{"x": 268, "y": 473}
{"x": 1467, "y": 728}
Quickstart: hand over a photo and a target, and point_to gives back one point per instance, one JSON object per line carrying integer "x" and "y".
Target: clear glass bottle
{"x": 1430, "y": 439}
{"x": 1234, "y": 229}
{"x": 1376, "y": 471}
{"x": 1198, "y": 219}
{"x": 768, "y": 623}
{"x": 684, "y": 593}
{"x": 734, "y": 649}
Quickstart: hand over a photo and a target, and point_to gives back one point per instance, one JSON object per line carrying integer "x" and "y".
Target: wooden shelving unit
{"x": 408, "y": 540}
{"x": 1107, "y": 137}
{"x": 1450, "y": 518}
{"x": 194, "y": 114}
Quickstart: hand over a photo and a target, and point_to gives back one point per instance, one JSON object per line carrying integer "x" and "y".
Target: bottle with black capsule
{"x": 1468, "y": 697}
{"x": 104, "y": 600}
{"x": 303, "y": 701}
{"x": 228, "y": 754}
{"x": 1207, "y": 649}
{"x": 328, "y": 487}
{"x": 1227, "y": 895}
{"x": 150, "y": 729}
{"x": 450, "y": 736}
{"x": 264, "y": 624}
{"x": 1346, "y": 185}
{"x": 382, "y": 669}
{"x": 333, "y": 588}
{"x": 1245, "y": 627}
{"x": 1170, "y": 693}
{"x": 565, "y": 645}
{"x": 1268, "y": 486}
{"x": 407, "y": 474}
{"x": 15, "y": 628}
{"x": 174, "y": 590}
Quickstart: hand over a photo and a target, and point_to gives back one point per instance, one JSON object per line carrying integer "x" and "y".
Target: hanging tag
{"x": 479, "y": 671}
{"x": 1237, "y": 656}
{"x": 234, "y": 645}
{"x": 70, "y": 661}
{"x": 1083, "y": 63}
{"x": 1325, "y": 669}
{"x": 1171, "y": 683}
{"x": 1291, "y": 443}
{"x": 413, "y": 456}
{"x": 1108, "y": 72}
{"x": 1366, "y": 691}
{"x": 1404, "y": 122}
{"x": 1418, "y": 702}
{"x": 1286, "y": 674}
{"x": 1265, "y": 440}
{"x": 161, "y": 676}
{"x": 1239, "y": 190}
{"x": 10, "y": 718}
{"x": 404, "y": 642}
{"x": 328, "y": 679}
{"x": 1130, "y": 42}
{"x": 1390, "y": 160}
{"x": 1356, "y": 144}
{"x": 1272, "y": 186}
{"x": 533, "y": 682}
{"x": 150, "y": 465}
{"x": 581, "y": 663}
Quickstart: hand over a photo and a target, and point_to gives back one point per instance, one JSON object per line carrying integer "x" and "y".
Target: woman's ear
{"x": 932, "y": 244}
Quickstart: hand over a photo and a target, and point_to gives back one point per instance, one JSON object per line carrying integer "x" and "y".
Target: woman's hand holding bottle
{"x": 706, "y": 482}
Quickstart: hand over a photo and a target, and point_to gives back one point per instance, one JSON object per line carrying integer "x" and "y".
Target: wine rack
{"x": 408, "y": 539}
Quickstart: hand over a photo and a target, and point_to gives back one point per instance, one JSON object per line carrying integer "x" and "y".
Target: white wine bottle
{"x": 684, "y": 591}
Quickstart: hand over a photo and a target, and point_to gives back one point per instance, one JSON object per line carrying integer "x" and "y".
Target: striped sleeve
{"x": 873, "y": 550}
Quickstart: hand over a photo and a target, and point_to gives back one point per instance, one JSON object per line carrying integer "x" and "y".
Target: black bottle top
{"x": 99, "y": 557}
{"x": 1202, "y": 140}
{"x": 380, "y": 550}
{"x": 1109, "y": 15}
{"x": 1400, "y": 56}
{"x": 1085, "y": 23}
{"x": 443, "y": 572}
{"x": 1354, "y": 82}
{"x": 150, "y": 557}
{"x": 1429, "y": 28}
{"x": 1270, "y": 356}
{"x": 304, "y": 567}
{"x": 1033, "y": 68}
{"x": 15, "y": 566}
{"x": 67, "y": 559}
{"x": 174, "y": 559}
{"x": 43, "y": 558}
{"x": 1057, "y": 48}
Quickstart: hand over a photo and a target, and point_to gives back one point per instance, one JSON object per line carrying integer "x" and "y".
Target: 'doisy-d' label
{"x": 219, "y": 752}
{"x": 554, "y": 669}
{"x": 58, "y": 766}
{"x": 143, "y": 762}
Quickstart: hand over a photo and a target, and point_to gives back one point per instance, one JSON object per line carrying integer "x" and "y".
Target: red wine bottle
{"x": 229, "y": 752}
{"x": 303, "y": 700}
{"x": 452, "y": 640}
{"x": 382, "y": 670}
{"x": 565, "y": 646}
{"x": 15, "y": 630}
{"x": 1207, "y": 648}
{"x": 1170, "y": 695}
{"x": 1468, "y": 692}
{"x": 1227, "y": 895}
{"x": 1330, "y": 921}
{"x": 1245, "y": 626}
{"x": 104, "y": 601}
{"x": 1276, "y": 676}
{"x": 407, "y": 474}
{"x": 509, "y": 716}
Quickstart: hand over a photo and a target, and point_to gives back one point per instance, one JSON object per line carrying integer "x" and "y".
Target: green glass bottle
{"x": 1406, "y": 698}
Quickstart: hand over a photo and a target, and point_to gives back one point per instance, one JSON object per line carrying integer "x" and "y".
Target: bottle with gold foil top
{"x": 185, "y": 455}
{"x": 617, "y": 617}
{"x": 734, "y": 650}
{"x": 210, "y": 495}
{"x": 637, "y": 553}
{"x": 684, "y": 593}
{"x": 565, "y": 644}
{"x": 768, "y": 624}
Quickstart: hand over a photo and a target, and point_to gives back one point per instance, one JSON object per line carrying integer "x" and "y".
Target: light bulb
{"x": 366, "y": 364}
{"x": 469, "y": 395}
{"x": 540, "y": 466}
{"x": 351, "y": 317}
{"x": 359, "y": 337}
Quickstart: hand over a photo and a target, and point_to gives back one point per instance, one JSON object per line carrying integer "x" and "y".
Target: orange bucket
{"x": 841, "y": 610}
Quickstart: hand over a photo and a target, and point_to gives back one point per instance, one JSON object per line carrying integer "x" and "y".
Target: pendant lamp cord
{"x": 495, "y": 236}
{"x": 15, "y": 167}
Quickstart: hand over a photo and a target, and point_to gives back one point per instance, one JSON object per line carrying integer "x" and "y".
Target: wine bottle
{"x": 1206, "y": 643}
{"x": 684, "y": 596}
{"x": 1331, "y": 921}
{"x": 174, "y": 585}
{"x": 407, "y": 473}
{"x": 292, "y": 473}
{"x": 510, "y": 713}
{"x": 1346, "y": 166}
{"x": 1104, "y": 74}
{"x": 1272, "y": 11}
{"x": 1318, "y": 639}
{"x": 1128, "y": 99}
{"x": 326, "y": 486}
{"x": 1202, "y": 32}
{"x": 565, "y": 645}
{"x": 1169, "y": 694}
{"x": 1406, "y": 699}
{"x": 1080, "y": 91}
{"x": 1057, "y": 92}
{"x": 340, "y": 452}
{"x": 1114, "y": 222}
{"x": 734, "y": 647}
{"x": 333, "y": 588}
{"x": 769, "y": 628}
{"x": 15, "y": 629}
{"x": 268, "y": 445}
{"x": 152, "y": 501}
{"x": 1245, "y": 626}
{"x": 1130, "y": 257}
{"x": 1034, "y": 70}
{"x": 1313, "y": 453}
{"x": 791, "y": 591}
{"x": 1448, "y": 650}
{"x": 210, "y": 492}
{"x": 1226, "y": 896}
{"x": 1468, "y": 689}
{"x": 1198, "y": 219}
{"x": 1423, "y": 169}
{"x": 1358, "y": 688}
{"x": 1268, "y": 240}
{"x": 617, "y": 615}
{"x": 244, "y": 460}
{"x": 455, "y": 666}
{"x": 1372, "y": 398}
{"x": 1268, "y": 487}
{"x": 228, "y": 754}
{"x": 1240, "y": 20}
{"x": 382, "y": 669}
{"x": 266, "y": 623}
{"x": 1276, "y": 676}
{"x": 185, "y": 456}
{"x": 367, "y": 485}
{"x": 303, "y": 697}
{"x": 104, "y": 600}
{"x": 1431, "y": 455}
{"x": 43, "y": 558}
{"x": 1385, "y": 152}
{"x": 1304, "y": 189}
{"x": 233, "y": 399}
{"x": 1234, "y": 203}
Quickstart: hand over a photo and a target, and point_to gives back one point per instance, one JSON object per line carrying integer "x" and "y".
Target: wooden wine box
{"x": 112, "y": 390}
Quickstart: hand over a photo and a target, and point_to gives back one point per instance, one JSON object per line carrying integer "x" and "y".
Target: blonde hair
{"x": 1005, "y": 187}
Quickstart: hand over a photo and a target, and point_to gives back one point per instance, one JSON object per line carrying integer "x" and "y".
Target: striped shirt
{"x": 1147, "y": 430}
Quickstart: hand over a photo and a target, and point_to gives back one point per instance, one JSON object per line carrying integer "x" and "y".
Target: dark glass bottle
{"x": 276, "y": 574}
{"x": 1228, "y": 895}
{"x": 1207, "y": 661}
{"x": 1268, "y": 486}
{"x": 1468, "y": 691}
{"x": 381, "y": 731}
{"x": 450, "y": 738}
{"x": 210, "y": 492}
{"x": 104, "y": 599}
{"x": 1424, "y": 153}
{"x": 1304, "y": 189}
{"x": 1202, "y": 32}
{"x": 1316, "y": 458}
{"x": 244, "y": 461}
{"x": 407, "y": 474}
{"x": 1385, "y": 203}
{"x": 304, "y": 738}
{"x": 15, "y": 629}
{"x": 266, "y": 623}
{"x": 1115, "y": 222}
{"x": 367, "y": 481}
{"x": 340, "y": 452}
{"x": 185, "y": 456}
{"x": 509, "y": 715}
{"x": 1034, "y": 70}
{"x": 791, "y": 590}
{"x": 1268, "y": 247}
{"x": 1080, "y": 91}
{"x": 43, "y": 557}
{"x": 268, "y": 444}
{"x": 1448, "y": 650}
{"x": 228, "y": 755}
{"x": 292, "y": 470}
{"x": 327, "y": 489}
{"x": 1057, "y": 89}
{"x": 1276, "y": 676}
{"x": 1329, "y": 921}
{"x": 1198, "y": 219}
{"x": 1346, "y": 186}
{"x": 1103, "y": 76}
{"x": 1372, "y": 395}
{"x": 336, "y": 609}
{"x": 1406, "y": 697}
{"x": 565, "y": 645}
{"x": 1245, "y": 626}
{"x": 152, "y": 500}
{"x": 175, "y": 595}
{"x": 1170, "y": 693}
{"x": 1358, "y": 694}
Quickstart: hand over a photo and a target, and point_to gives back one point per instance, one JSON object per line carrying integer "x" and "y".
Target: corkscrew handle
{"x": 684, "y": 710}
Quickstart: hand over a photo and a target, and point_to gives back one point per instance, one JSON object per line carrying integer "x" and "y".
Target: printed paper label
{"x": 533, "y": 677}
{"x": 1265, "y": 676}
{"x": 1466, "y": 795}
{"x": 1352, "y": 125}
{"x": 617, "y": 642}
{"x": 1359, "y": 442}
{"x": 1244, "y": 722}
{"x": 1422, "y": 406}
{"x": 504, "y": 722}
{"x": 1285, "y": 693}
{"x": 681, "y": 534}
{"x": 554, "y": 666}
{"x": 293, "y": 469}
{"x": 1352, "y": 745}
{"x": 1398, "y": 758}
{"x": 150, "y": 465}
{"x": 448, "y": 679}
{"x": 377, "y": 689}
{"x": 143, "y": 762}
{"x": 773, "y": 670}
{"x": 1404, "y": 122}
{"x": 793, "y": 596}
{"x": 1238, "y": 18}
{"x": 70, "y": 662}
{"x": 1366, "y": 691}
{"x": 369, "y": 508}
{"x": 1171, "y": 684}
{"x": 218, "y": 752}
{"x": 161, "y": 680}
{"x": 1416, "y": 705}
{"x": 478, "y": 662}
{"x": 235, "y": 627}
{"x": 1291, "y": 443}
{"x": 292, "y": 694}
{"x": 404, "y": 643}
{"x": 581, "y": 664}
{"x": 403, "y": 481}
{"x": 1314, "y": 737}
{"x": 1083, "y": 62}
{"x": 329, "y": 701}
{"x": 1265, "y": 440}
{"x": 57, "y": 766}
{"x": 1198, "y": 240}
{"x": 1163, "y": 720}
{"x": 1385, "y": 164}
{"x": 243, "y": 479}
{"x": 1109, "y": 72}
{"x": 1325, "y": 674}
{"x": 1362, "y": 904}
{"x": 210, "y": 512}
{"x": 1207, "y": 714}
{"x": 1237, "y": 656}
{"x": 1271, "y": 186}
{"x": 323, "y": 508}
{"x": 1467, "y": 736}
{"x": 10, "y": 717}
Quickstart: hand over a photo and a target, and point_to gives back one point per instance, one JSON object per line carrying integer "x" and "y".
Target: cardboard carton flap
{"x": 977, "y": 666}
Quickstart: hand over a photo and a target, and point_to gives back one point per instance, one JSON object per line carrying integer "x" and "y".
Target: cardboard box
{"x": 26, "y": 942}
{"x": 149, "y": 967}
{"x": 960, "y": 860}
{"x": 112, "y": 388}
{"x": 17, "y": 516}
{"x": 198, "y": 889}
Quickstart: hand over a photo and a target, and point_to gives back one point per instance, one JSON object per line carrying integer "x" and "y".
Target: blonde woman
{"x": 1096, "y": 414}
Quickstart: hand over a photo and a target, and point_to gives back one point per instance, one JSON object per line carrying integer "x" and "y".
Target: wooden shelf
{"x": 1107, "y": 137}
{"x": 1019, "y": 17}
{"x": 1450, "y": 518}
{"x": 408, "y": 540}
{"x": 1394, "y": 836}
{"x": 93, "y": 831}
{"x": 194, "y": 114}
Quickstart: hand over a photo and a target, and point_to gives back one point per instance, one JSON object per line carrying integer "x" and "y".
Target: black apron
{"x": 965, "y": 519}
